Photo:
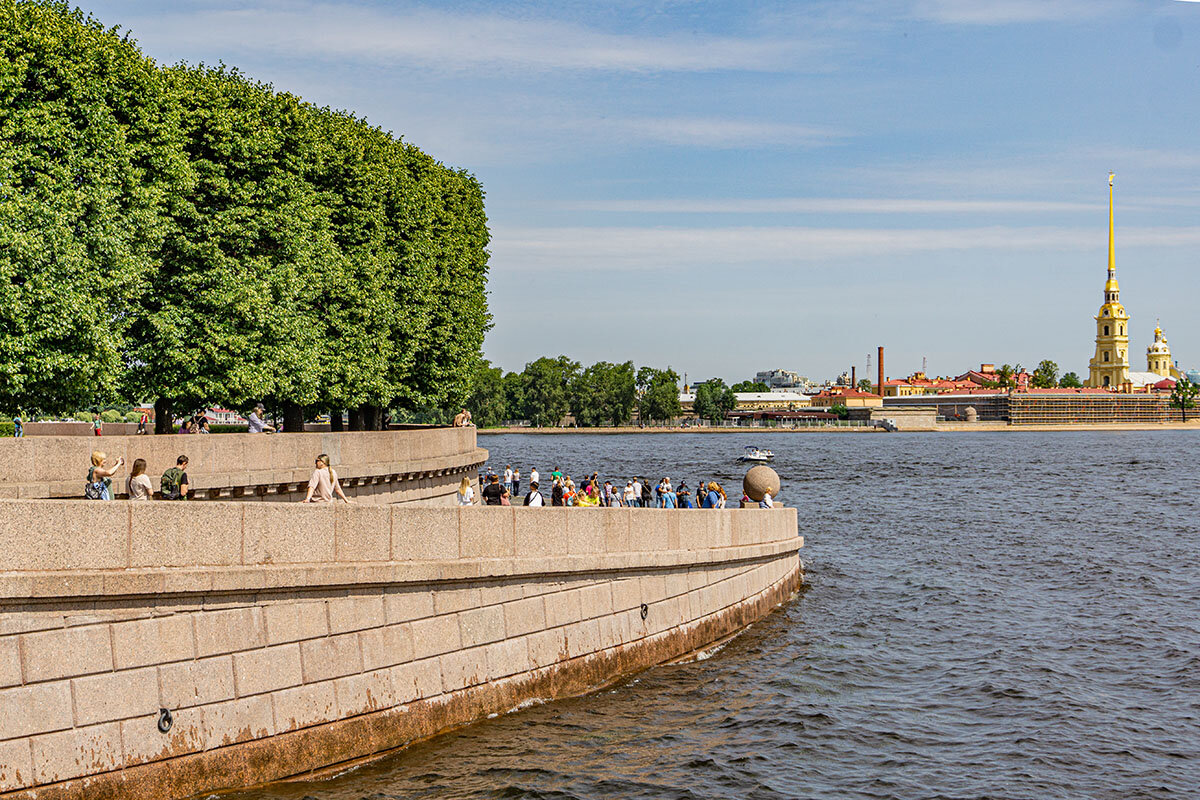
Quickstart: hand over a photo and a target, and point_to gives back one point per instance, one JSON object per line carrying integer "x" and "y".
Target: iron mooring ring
{"x": 164, "y": 720}
{"x": 645, "y": 610}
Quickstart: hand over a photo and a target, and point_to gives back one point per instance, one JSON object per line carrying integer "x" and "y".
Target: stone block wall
{"x": 423, "y": 465}
{"x": 286, "y": 639}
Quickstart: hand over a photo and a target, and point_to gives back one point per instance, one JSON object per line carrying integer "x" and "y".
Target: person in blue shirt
{"x": 711, "y": 499}
{"x": 18, "y": 428}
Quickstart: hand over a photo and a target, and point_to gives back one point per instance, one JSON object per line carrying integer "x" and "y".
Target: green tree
{"x": 1004, "y": 377}
{"x": 514, "y": 393}
{"x": 750, "y": 386}
{"x": 865, "y": 385}
{"x": 90, "y": 156}
{"x": 231, "y": 315}
{"x": 546, "y": 389}
{"x": 1183, "y": 396}
{"x": 660, "y": 397}
{"x": 1070, "y": 381}
{"x": 841, "y": 411}
{"x": 487, "y": 401}
{"x": 714, "y": 400}
{"x": 1045, "y": 376}
{"x": 602, "y": 393}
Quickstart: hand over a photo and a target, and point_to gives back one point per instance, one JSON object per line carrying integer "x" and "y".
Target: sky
{"x": 728, "y": 187}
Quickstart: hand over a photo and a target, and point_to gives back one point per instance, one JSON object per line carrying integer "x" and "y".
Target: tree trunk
{"x": 335, "y": 420}
{"x": 293, "y": 418}
{"x": 372, "y": 418}
{"x": 163, "y": 418}
{"x": 356, "y": 419}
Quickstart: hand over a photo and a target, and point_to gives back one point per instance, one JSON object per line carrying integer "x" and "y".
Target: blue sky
{"x": 728, "y": 187}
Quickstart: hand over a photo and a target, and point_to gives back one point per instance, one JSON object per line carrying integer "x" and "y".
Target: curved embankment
{"x": 167, "y": 650}
{"x": 402, "y": 466}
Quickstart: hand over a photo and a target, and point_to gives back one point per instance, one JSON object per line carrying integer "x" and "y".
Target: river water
{"x": 986, "y": 615}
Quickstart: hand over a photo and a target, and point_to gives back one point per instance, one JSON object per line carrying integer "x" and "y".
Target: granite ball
{"x": 758, "y": 481}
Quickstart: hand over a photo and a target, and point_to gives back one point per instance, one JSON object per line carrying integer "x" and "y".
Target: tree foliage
{"x": 91, "y": 155}
{"x": 750, "y": 386}
{"x": 1070, "y": 381}
{"x": 1183, "y": 396}
{"x": 545, "y": 389}
{"x": 659, "y": 400}
{"x": 603, "y": 393}
{"x": 714, "y": 400}
{"x": 191, "y": 235}
{"x": 1045, "y": 375}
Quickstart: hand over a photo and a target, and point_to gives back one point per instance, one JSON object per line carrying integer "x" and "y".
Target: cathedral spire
{"x": 1112, "y": 246}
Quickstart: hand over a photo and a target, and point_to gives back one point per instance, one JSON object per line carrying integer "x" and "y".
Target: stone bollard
{"x": 759, "y": 480}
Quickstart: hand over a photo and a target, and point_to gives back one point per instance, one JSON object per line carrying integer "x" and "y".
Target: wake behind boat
{"x": 755, "y": 455}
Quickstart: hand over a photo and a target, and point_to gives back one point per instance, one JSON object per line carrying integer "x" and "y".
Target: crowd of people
{"x": 323, "y": 486}
{"x": 505, "y": 490}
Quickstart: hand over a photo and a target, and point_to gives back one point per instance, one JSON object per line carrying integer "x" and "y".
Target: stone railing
{"x": 285, "y": 639}
{"x": 422, "y": 465}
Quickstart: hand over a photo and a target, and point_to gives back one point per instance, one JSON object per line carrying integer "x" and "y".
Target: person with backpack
{"x": 174, "y": 483}
{"x": 99, "y": 477}
{"x": 534, "y": 498}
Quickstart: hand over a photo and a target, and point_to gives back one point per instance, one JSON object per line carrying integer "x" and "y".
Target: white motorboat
{"x": 755, "y": 455}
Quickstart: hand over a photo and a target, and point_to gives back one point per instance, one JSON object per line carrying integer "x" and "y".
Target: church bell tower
{"x": 1110, "y": 366}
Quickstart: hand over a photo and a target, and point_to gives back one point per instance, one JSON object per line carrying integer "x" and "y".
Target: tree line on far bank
{"x": 189, "y": 235}
{"x": 549, "y": 389}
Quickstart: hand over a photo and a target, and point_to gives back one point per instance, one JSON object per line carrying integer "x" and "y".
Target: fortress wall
{"x": 376, "y": 467}
{"x": 288, "y": 639}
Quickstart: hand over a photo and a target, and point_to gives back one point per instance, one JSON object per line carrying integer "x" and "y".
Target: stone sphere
{"x": 759, "y": 480}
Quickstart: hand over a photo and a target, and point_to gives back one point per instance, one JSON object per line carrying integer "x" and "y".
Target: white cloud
{"x": 580, "y": 249}
{"x": 707, "y": 132}
{"x": 830, "y": 205}
{"x": 1005, "y": 12}
{"x": 454, "y": 41}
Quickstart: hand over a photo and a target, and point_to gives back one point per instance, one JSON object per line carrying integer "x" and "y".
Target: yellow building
{"x": 1110, "y": 365}
{"x": 1158, "y": 356}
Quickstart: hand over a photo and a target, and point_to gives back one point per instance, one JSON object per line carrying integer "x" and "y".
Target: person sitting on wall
{"x": 174, "y": 482}
{"x": 324, "y": 482}
{"x": 491, "y": 492}
{"x": 462, "y": 419}
{"x": 255, "y": 419}
{"x": 534, "y": 498}
{"x": 766, "y": 501}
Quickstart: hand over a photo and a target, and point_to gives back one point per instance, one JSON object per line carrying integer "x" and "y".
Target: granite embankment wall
{"x": 289, "y": 639}
{"x": 423, "y": 465}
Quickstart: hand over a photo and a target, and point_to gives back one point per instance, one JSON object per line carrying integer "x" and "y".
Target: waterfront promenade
{"x": 171, "y": 649}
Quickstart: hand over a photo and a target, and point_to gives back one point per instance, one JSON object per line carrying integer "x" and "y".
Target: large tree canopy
{"x": 90, "y": 154}
{"x": 196, "y": 237}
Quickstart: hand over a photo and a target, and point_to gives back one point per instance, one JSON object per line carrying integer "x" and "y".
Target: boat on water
{"x": 755, "y": 455}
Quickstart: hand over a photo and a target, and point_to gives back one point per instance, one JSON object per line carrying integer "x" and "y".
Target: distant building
{"x": 753, "y": 401}
{"x": 781, "y": 379}
{"x": 847, "y": 396}
{"x": 918, "y": 384}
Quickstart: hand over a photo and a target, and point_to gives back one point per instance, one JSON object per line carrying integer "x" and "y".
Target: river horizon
{"x": 985, "y": 616}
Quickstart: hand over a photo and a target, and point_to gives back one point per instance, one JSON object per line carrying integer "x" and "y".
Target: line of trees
{"x": 194, "y": 236}
{"x": 549, "y": 389}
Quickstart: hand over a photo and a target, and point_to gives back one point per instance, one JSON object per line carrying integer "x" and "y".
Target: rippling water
{"x": 987, "y": 615}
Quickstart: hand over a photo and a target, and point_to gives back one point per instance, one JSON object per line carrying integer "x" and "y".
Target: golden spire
{"x": 1111, "y": 285}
